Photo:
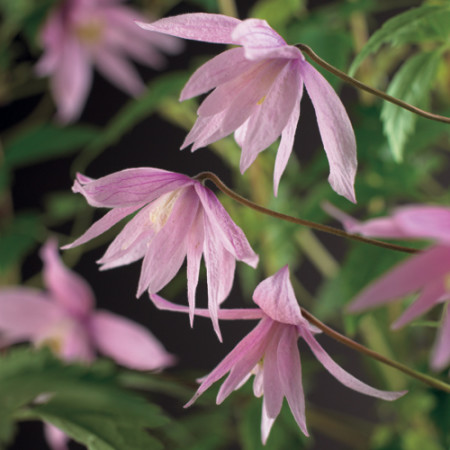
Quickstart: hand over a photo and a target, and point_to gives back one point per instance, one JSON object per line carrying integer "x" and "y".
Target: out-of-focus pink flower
{"x": 79, "y": 34}
{"x": 178, "y": 217}
{"x": 427, "y": 273}
{"x": 64, "y": 319}
{"x": 257, "y": 91}
{"x": 270, "y": 353}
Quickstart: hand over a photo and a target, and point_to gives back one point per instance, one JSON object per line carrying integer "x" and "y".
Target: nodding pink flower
{"x": 257, "y": 91}
{"x": 176, "y": 218}
{"x": 79, "y": 34}
{"x": 63, "y": 319}
{"x": 427, "y": 273}
{"x": 270, "y": 353}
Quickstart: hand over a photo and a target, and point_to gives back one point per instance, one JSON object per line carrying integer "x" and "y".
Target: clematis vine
{"x": 63, "y": 319}
{"x": 270, "y": 353}
{"x": 257, "y": 88}
{"x": 79, "y": 34}
{"x": 177, "y": 218}
{"x": 427, "y": 273}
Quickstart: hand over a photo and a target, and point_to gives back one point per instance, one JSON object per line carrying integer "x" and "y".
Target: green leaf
{"x": 85, "y": 402}
{"x": 277, "y": 12}
{"x": 19, "y": 238}
{"x": 412, "y": 84}
{"x": 45, "y": 142}
{"x": 427, "y": 22}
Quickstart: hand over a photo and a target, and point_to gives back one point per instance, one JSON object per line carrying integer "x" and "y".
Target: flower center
{"x": 162, "y": 208}
{"x": 90, "y": 32}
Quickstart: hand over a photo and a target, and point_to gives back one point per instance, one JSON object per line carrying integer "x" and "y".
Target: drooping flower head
{"x": 270, "y": 353}
{"x": 79, "y": 34}
{"x": 176, "y": 217}
{"x": 257, "y": 91}
{"x": 63, "y": 318}
{"x": 427, "y": 273}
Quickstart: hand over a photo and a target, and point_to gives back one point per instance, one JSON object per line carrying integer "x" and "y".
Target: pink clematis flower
{"x": 257, "y": 91}
{"x": 81, "y": 33}
{"x": 178, "y": 217}
{"x": 427, "y": 273}
{"x": 270, "y": 353}
{"x": 64, "y": 319}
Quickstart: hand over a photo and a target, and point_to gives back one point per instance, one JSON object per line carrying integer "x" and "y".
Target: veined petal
{"x": 440, "y": 357}
{"x": 287, "y": 137}
{"x": 66, "y": 287}
{"x": 130, "y": 187}
{"x": 276, "y": 297}
{"x": 103, "y": 224}
{"x": 224, "y": 314}
{"x": 266, "y": 424}
{"x": 341, "y": 375}
{"x": 215, "y": 28}
{"x": 271, "y": 116}
{"x": 25, "y": 312}
{"x": 167, "y": 250}
{"x": 194, "y": 255}
{"x": 119, "y": 71}
{"x": 249, "y": 342}
{"x": 405, "y": 278}
{"x": 128, "y": 343}
{"x": 218, "y": 70}
{"x": 429, "y": 297}
{"x": 290, "y": 370}
{"x": 232, "y": 237}
{"x": 336, "y": 131}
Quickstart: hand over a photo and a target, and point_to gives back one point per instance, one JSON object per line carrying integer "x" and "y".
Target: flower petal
{"x": 341, "y": 375}
{"x": 336, "y": 131}
{"x": 56, "y": 439}
{"x": 25, "y": 312}
{"x": 405, "y": 278}
{"x": 440, "y": 357}
{"x": 218, "y": 70}
{"x": 128, "y": 343}
{"x": 287, "y": 137}
{"x": 224, "y": 314}
{"x": 130, "y": 187}
{"x": 214, "y": 28}
{"x": 272, "y": 115}
{"x": 66, "y": 287}
{"x": 276, "y": 297}
{"x": 290, "y": 370}
{"x": 167, "y": 250}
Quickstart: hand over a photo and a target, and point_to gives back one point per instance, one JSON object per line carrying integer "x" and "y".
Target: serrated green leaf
{"x": 45, "y": 142}
{"x": 427, "y": 22}
{"x": 86, "y": 402}
{"x": 412, "y": 84}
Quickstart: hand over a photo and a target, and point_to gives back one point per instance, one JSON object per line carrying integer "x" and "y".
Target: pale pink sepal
{"x": 214, "y": 28}
{"x": 336, "y": 130}
{"x": 128, "y": 343}
{"x": 56, "y": 439}
{"x": 440, "y": 357}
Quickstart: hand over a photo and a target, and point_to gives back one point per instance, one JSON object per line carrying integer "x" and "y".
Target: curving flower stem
{"x": 348, "y": 79}
{"x": 314, "y": 225}
{"x": 430, "y": 381}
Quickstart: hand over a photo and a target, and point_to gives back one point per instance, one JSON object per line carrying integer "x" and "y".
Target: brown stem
{"x": 316, "y": 226}
{"x": 343, "y": 76}
{"x": 430, "y": 381}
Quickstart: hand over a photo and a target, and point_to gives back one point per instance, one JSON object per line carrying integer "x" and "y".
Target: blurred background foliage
{"x": 401, "y": 47}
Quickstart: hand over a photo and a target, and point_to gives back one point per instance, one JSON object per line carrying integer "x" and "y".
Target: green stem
{"x": 316, "y": 226}
{"x": 430, "y": 381}
{"x": 348, "y": 79}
